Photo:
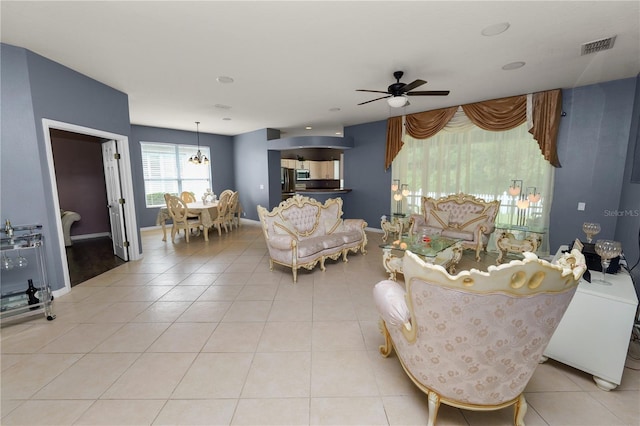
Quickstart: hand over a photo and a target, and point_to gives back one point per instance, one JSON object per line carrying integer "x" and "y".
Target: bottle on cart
{"x": 8, "y": 229}
{"x": 31, "y": 293}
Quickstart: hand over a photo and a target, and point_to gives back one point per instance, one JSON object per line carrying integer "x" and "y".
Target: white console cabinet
{"x": 594, "y": 334}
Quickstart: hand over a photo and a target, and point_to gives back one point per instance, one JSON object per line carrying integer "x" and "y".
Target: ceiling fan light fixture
{"x": 397, "y": 101}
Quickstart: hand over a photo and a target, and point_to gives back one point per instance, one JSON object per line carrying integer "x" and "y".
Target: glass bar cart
{"x": 24, "y": 286}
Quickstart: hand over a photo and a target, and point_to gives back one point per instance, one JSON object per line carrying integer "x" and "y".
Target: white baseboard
{"x": 89, "y": 236}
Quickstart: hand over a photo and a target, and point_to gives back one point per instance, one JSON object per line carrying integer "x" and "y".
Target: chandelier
{"x": 198, "y": 158}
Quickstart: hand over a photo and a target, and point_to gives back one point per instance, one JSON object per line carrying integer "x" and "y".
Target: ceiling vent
{"x": 597, "y": 46}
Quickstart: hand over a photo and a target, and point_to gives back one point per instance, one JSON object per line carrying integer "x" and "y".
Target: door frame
{"x": 126, "y": 180}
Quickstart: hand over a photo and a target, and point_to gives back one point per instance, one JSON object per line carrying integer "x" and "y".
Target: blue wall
{"x": 592, "y": 146}
{"x": 251, "y": 156}
{"x": 364, "y": 173}
{"x": 628, "y": 225}
{"x": 34, "y": 88}
{"x": 596, "y": 145}
{"x": 222, "y": 167}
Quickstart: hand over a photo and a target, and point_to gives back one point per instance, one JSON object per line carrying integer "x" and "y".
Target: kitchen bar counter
{"x": 312, "y": 191}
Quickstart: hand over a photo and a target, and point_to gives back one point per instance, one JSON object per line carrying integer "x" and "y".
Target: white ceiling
{"x": 292, "y": 62}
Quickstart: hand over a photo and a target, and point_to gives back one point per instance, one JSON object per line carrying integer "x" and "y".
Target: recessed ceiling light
{"x": 513, "y": 66}
{"x": 334, "y": 109}
{"x": 338, "y": 133}
{"x": 224, "y": 79}
{"x": 308, "y": 128}
{"x": 495, "y": 29}
{"x": 222, "y": 106}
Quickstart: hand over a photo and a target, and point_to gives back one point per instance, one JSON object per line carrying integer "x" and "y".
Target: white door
{"x": 110, "y": 158}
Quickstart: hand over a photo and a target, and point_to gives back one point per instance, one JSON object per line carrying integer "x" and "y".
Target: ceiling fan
{"x": 397, "y": 93}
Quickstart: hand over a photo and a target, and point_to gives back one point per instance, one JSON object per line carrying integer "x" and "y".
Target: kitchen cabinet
{"x": 321, "y": 169}
{"x": 290, "y": 164}
{"x": 315, "y": 170}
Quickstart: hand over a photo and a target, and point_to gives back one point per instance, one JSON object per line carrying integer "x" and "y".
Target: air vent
{"x": 597, "y": 46}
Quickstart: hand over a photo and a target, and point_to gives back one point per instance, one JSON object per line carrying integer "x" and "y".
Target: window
{"x": 479, "y": 163}
{"x": 166, "y": 168}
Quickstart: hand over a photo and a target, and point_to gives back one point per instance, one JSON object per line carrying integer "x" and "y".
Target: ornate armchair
{"x": 473, "y": 340}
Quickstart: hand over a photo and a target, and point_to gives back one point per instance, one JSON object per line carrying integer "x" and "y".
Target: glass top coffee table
{"x": 437, "y": 250}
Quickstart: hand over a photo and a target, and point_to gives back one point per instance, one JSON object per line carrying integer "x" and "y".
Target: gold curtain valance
{"x": 492, "y": 115}
{"x": 423, "y": 125}
{"x": 498, "y": 114}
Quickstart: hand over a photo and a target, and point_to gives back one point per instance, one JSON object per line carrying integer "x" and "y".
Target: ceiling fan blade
{"x": 376, "y": 99}
{"x": 372, "y": 91}
{"x": 429, "y": 93}
{"x": 411, "y": 86}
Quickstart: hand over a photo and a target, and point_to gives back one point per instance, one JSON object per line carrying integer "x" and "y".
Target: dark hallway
{"x": 90, "y": 258}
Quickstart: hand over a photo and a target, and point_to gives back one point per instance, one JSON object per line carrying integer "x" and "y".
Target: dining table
{"x": 207, "y": 212}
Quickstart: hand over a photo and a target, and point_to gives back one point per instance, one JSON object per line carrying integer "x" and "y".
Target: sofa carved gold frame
{"x": 461, "y": 198}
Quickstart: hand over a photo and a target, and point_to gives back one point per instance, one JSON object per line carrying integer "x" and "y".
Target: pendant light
{"x": 198, "y": 158}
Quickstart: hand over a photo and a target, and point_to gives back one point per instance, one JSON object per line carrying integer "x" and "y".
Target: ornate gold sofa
{"x": 300, "y": 232}
{"x": 473, "y": 340}
{"x": 458, "y": 216}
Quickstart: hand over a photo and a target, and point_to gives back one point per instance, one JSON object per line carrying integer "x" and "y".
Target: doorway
{"x": 93, "y": 138}
{"x": 82, "y": 189}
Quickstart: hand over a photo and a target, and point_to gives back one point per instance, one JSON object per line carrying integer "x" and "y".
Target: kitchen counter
{"x": 313, "y": 191}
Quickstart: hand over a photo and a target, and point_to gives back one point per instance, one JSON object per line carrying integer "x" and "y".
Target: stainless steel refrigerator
{"x": 288, "y": 182}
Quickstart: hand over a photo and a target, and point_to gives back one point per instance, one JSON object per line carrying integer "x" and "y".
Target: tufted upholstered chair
{"x": 462, "y": 216}
{"x": 473, "y": 340}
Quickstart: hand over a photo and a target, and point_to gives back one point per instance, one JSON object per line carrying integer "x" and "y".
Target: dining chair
{"x": 188, "y": 197}
{"x": 181, "y": 220}
{"x": 232, "y": 211}
{"x": 221, "y": 218}
{"x": 226, "y": 191}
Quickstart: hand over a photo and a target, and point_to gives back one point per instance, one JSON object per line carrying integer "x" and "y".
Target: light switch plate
{"x": 581, "y": 206}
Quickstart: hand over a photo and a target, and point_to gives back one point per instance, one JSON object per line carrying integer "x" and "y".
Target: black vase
{"x": 31, "y": 294}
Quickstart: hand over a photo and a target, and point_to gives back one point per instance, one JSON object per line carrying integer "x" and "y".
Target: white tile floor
{"x": 203, "y": 333}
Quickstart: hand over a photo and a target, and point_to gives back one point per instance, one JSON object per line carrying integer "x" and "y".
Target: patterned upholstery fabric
{"x": 475, "y": 339}
{"x": 469, "y": 218}
{"x": 301, "y": 232}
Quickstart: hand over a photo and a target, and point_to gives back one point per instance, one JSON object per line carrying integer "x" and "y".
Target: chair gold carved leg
{"x": 434, "y": 405}
{"x": 387, "y": 347}
{"x": 519, "y": 410}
